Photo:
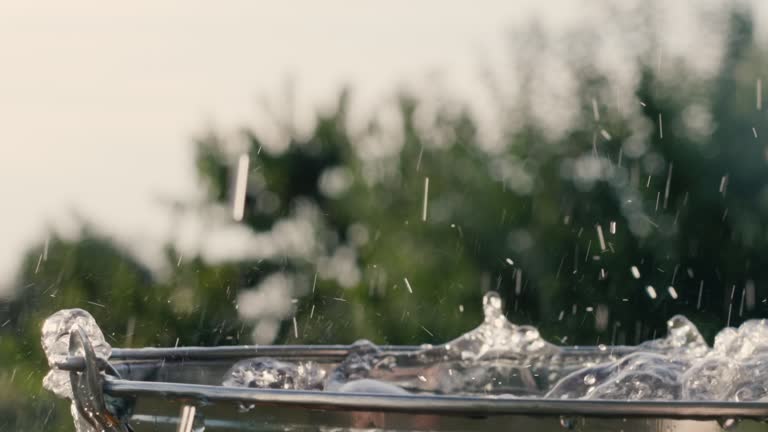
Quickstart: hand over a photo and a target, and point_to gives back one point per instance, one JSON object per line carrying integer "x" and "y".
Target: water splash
{"x": 735, "y": 369}
{"x": 270, "y": 373}
{"x": 709, "y": 379}
{"x": 497, "y": 338}
{"x": 682, "y": 367}
{"x": 55, "y": 342}
{"x": 749, "y": 340}
{"x": 683, "y": 339}
{"x": 365, "y": 360}
{"x": 501, "y": 359}
{"x": 637, "y": 376}
{"x": 497, "y": 357}
{"x": 651, "y": 373}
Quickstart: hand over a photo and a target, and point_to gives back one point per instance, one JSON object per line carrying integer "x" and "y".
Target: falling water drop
{"x": 589, "y": 379}
{"x": 425, "y": 203}
{"x": 408, "y": 285}
{"x": 241, "y": 184}
{"x": 727, "y": 423}
{"x": 568, "y": 423}
{"x": 672, "y": 292}
{"x": 600, "y": 237}
{"x": 595, "y": 110}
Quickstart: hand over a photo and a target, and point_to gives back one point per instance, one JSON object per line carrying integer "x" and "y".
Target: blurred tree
{"x": 590, "y": 235}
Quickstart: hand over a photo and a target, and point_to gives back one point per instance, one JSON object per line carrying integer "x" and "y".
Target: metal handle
{"x": 87, "y": 386}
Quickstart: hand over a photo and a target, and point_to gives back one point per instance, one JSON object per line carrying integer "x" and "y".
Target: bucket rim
{"x": 469, "y": 406}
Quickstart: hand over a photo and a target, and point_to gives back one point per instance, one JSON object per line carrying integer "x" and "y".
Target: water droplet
{"x": 672, "y": 292}
{"x": 567, "y": 422}
{"x": 589, "y": 379}
{"x": 243, "y": 408}
{"x": 492, "y": 306}
{"x": 727, "y": 423}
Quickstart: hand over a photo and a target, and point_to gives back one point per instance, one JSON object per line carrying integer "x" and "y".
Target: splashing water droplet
{"x": 568, "y": 423}
{"x": 56, "y": 329}
{"x": 728, "y": 423}
{"x": 501, "y": 358}
{"x": 683, "y": 339}
{"x": 492, "y": 306}
{"x": 672, "y": 292}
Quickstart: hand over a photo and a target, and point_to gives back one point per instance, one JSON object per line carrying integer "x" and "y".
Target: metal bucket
{"x": 178, "y": 389}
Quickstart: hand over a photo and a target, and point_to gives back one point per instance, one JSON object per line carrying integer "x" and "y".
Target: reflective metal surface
{"x": 162, "y": 381}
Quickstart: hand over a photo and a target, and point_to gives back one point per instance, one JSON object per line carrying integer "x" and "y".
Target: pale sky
{"x": 99, "y": 102}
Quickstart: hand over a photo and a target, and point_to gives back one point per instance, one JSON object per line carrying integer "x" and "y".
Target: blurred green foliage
{"x": 522, "y": 220}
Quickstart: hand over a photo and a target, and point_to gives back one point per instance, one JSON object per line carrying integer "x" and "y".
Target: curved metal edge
{"x": 87, "y": 387}
{"x": 442, "y": 405}
{"x": 330, "y": 352}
